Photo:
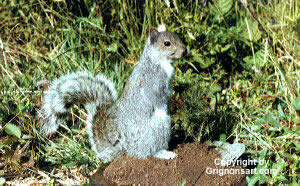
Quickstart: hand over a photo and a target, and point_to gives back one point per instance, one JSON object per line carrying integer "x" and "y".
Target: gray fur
{"x": 137, "y": 124}
{"x": 79, "y": 87}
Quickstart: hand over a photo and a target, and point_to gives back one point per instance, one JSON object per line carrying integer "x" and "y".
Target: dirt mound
{"x": 194, "y": 164}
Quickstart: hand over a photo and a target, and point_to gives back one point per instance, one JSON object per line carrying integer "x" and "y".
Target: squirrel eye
{"x": 167, "y": 43}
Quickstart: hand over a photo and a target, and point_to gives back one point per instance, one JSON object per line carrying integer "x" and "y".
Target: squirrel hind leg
{"x": 108, "y": 153}
{"x": 104, "y": 134}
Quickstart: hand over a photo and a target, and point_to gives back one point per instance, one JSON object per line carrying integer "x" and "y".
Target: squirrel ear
{"x": 162, "y": 28}
{"x": 153, "y": 35}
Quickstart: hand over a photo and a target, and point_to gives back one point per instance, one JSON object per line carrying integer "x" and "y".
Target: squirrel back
{"x": 137, "y": 124}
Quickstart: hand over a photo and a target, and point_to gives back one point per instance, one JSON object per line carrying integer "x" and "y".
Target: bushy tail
{"x": 79, "y": 87}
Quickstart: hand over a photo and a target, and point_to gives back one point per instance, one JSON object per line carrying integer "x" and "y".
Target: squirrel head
{"x": 167, "y": 44}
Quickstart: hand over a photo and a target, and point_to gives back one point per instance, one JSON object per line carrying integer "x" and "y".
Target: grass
{"x": 238, "y": 81}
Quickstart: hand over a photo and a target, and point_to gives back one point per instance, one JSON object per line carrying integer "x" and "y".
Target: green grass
{"x": 239, "y": 79}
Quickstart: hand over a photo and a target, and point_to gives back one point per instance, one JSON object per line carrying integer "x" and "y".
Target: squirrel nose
{"x": 183, "y": 53}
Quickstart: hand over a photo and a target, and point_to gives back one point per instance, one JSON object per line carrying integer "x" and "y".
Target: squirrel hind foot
{"x": 164, "y": 154}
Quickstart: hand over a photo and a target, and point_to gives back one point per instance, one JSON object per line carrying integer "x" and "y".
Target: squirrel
{"x": 136, "y": 124}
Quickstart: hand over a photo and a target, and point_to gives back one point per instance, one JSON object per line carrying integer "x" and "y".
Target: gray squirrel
{"x": 136, "y": 124}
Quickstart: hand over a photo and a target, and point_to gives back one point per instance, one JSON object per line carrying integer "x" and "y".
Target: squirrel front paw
{"x": 164, "y": 154}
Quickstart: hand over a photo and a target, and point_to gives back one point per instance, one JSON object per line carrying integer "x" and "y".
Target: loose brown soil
{"x": 191, "y": 164}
